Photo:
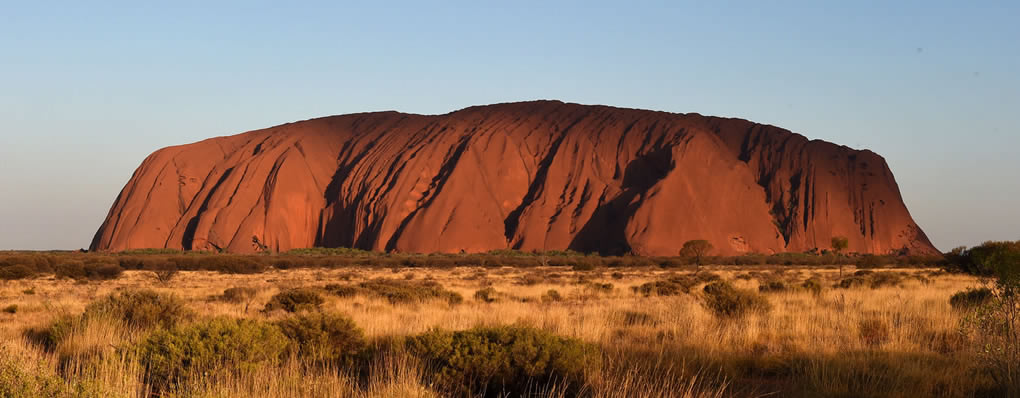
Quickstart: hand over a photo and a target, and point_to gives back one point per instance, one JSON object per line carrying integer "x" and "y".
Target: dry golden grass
{"x": 892, "y": 341}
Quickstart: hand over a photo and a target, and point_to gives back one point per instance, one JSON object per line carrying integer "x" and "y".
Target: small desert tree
{"x": 998, "y": 323}
{"x": 840, "y": 243}
{"x": 696, "y": 249}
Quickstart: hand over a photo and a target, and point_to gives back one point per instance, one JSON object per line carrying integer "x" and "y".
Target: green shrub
{"x": 140, "y": 309}
{"x": 324, "y": 338}
{"x": 208, "y": 349}
{"x": 726, "y": 301}
{"x": 294, "y": 300}
{"x": 971, "y": 298}
{"x": 487, "y": 295}
{"x": 504, "y": 360}
{"x": 584, "y": 266}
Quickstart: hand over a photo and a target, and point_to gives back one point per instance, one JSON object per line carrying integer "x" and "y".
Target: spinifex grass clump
{"x": 502, "y": 361}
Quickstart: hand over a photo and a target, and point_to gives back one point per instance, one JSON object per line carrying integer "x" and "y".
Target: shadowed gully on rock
{"x": 542, "y": 175}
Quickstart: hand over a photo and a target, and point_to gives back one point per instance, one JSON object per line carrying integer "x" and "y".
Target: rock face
{"x": 536, "y": 175}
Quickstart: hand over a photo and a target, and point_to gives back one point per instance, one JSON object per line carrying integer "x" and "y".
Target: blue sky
{"x": 87, "y": 91}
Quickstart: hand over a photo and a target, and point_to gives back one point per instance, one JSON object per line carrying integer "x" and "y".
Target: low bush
{"x": 343, "y": 290}
{"x": 661, "y": 288}
{"x": 971, "y": 298}
{"x": 16, "y": 271}
{"x": 774, "y": 285}
{"x": 294, "y": 300}
{"x": 398, "y": 291}
{"x": 552, "y": 295}
{"x": 94, "y": 270}
{"x": 724, "y": 300}
{"x": 140, "y": 309}
{"x": 11, "y": 309}
{"x": 812, "y": 285}
{"x": 676, "y": 285}
{"x": 883, "y": 279}
{"x": 851, "y": 282}
{"x": 21, "y": 266}
{"x": 531, "y": 279}
{"x": 165, "y": 276}
{"x": 598, "y": 287}
{"x": 324, "y": 338}
{"x": 209, "y": 349}
{"x": 502, "y": 361}
{"x": 487, "y": 295}
{"x": 238, "y": 295}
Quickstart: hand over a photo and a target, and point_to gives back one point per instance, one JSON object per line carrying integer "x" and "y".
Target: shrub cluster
{"x": 91, "y": 269}
{"x": 208, "y": 349}
{"x": 724, "y": 300}
{"x": 871, "y": 279}
{"x": 397, "y": 291}
{"x": 772, "y": 285}
{"x": 238, "y": 295}
{"x": 486, "y": 295}
{"x": 501, "y": 361}
{"x": 22, "y": 266}
{"x": 971, "y": 298}
{"x": 324, "y": 338}
{"x": 294, "y": 300}
{"x": 676, "y": 285}
{"x": 986, "y": 260}
{"x": 140, "y": 309}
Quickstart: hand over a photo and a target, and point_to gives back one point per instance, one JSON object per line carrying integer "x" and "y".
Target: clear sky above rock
{"x": 87, "y": 91}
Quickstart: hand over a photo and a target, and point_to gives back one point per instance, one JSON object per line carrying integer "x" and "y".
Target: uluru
{"x": 542, "y": 175}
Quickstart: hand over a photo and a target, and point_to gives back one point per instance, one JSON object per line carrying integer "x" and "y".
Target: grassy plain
{"x": 883, "y": 333}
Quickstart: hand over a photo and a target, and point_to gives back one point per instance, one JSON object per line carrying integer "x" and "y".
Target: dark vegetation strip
{"x": 103, "y": 266}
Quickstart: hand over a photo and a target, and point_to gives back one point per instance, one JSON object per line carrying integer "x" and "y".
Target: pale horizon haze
{"x": 87, "y": 91}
